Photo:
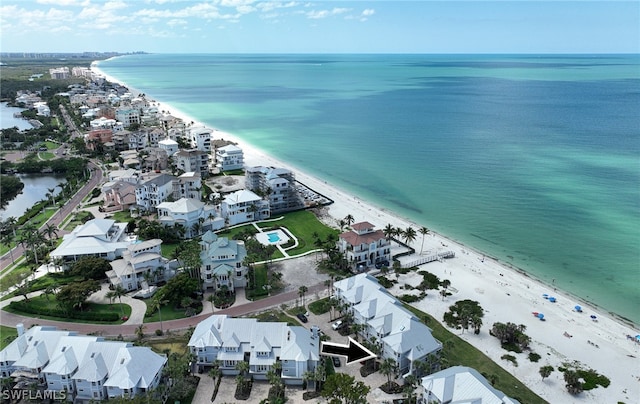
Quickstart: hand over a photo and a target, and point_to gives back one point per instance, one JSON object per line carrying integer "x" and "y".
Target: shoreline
{"x": 493, "y": 288}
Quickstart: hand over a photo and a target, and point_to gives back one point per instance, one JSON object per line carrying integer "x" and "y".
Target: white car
{"x": 337, "y": 325}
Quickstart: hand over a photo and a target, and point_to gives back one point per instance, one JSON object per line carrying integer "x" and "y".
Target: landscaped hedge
{"x": 24, "y": 307}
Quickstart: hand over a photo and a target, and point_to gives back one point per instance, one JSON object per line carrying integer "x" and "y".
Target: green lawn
{"x": 42, "y": 302}
{"x": 7, "y": 334}
{"x": 258, "y": 292}
{"x": 303, "y": 224}
{"x": 46, "y": 155}
{"x": 167, "y": 249}
{"x": 277, "y": 316}
{"x": 168, "y": 313}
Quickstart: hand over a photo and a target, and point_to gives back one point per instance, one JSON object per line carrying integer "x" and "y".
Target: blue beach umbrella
{"x": 593, "y": 316}
{"x": 578, "y": 309}
{"x": 552, "y": 299}
{"x": 545, "y": 295}
{"x": 540, "y": 316}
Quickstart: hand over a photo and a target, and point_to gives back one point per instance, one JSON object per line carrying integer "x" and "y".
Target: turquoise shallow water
{"x": 531, "y": 159}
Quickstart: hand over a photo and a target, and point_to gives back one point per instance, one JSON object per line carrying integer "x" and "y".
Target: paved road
{"x": 96, "y": 178}
{"x": 12, "y": 320}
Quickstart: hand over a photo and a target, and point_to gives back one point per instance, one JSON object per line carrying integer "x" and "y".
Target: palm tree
{"x": 6, "y": 239}
{"x": 140, "y": 331}
{"x": 409, "y": 235}
{"x": 11, "y": 222}
{"x": 118, "y": 292}
{"x": 302, "y": 290}
{"x": 50, "y": 193}
{"x": 424, "y": 231}
{"x": 156, "y": 304}
{"x": 50, "y": 230}
{"x": 349, "y": 219}
{"x": 388, "y": 368}
{"x": 211, "y": 298}
{"x": 388, "y": 231}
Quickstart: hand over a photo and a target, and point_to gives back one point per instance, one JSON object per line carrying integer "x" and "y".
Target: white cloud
{"x": 315, "y": 14}
{"x": 368, "y": 12}
{"x": 65, "y": 3}
{"x": 200, "y": 10}
{"x": 176, "y": 21}
{"x": 267, "y": 6}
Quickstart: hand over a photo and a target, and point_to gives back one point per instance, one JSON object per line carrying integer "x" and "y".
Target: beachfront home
{"x": 103, "y": 238}
{"x": 191, "y": 215}
{"x": 395, "y": 331}
{"x": 364, "y": 246}
{"x": 79, "y": 367}
{"x": 142, "y": 264}
{"x": 232, "y": 340}
{"x": 200, "y": 138}
{"x": 152, "y": 190}
{"x": 278, "y": 184}
{"x": 229, "y": 157}
{"x": 192, "y": 160}
{"x": 243, "y": 206}
{"x": 222, "y": 262}
{"x": 460, "y": 384}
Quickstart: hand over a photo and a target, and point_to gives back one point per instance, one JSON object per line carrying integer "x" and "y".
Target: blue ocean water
{"x": 532, "y": 159}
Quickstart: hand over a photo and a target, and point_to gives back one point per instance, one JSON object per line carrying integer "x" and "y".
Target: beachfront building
{"x": 276, "y": 184}
{"x": 141, "y": 265}
{"x": 80, "y": 368}
{"x": 261, "y": 344}
{"x": 387, "y": 325}
{"x": 187, "y": 185}
{"x": 128, "y": 116}
{"x": 152, "y": 190}
{"x": 190, "y": 215}
{"x": 460, "y": 384}
{"x": 200, "y": 138}
{"x": 192, "y": 160}
{"x": 168, "y": 145}
{"x": 229, "y": 157}
{"x": 118, "y": 195}
{"x": 103, "y": 238}
{"x": 364, "y": 246}
{"x": 222, "y": 262}
{"x": 243, "y": 206}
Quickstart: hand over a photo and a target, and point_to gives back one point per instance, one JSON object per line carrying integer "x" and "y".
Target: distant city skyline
{"x": 362, "y": 26}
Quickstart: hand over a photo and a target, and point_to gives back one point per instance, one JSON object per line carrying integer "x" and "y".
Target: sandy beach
{"x": 506, "y": 295}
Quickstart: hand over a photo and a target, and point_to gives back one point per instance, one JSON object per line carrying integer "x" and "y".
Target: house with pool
{"x": 222, "y": 262}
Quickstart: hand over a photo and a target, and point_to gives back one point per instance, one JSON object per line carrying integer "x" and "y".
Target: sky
{"x": 362, "y": 26}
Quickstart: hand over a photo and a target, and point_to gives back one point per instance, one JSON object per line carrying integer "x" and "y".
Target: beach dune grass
{"x": 459, "y": 352}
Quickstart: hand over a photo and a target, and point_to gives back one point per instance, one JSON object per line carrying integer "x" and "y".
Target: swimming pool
{"x": 273, "y": 237}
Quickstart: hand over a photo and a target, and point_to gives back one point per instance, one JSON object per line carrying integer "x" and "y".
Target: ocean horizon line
{"x": 210, "y": 122}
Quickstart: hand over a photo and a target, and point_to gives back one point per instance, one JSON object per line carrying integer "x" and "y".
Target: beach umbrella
{"x": 593, "y": 316}
{"x": 552, "y": 299}
{"x": 578, "y": 308}
{"x": 638, "y": 337}
{"x": 545, "y": 295}
{"x": 540, "y": 316}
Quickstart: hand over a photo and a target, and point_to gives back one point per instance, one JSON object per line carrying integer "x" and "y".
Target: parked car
{"x": 337, "y": 325}
{"x": 336, "y": 361}
{"x": 302, "y": 317}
